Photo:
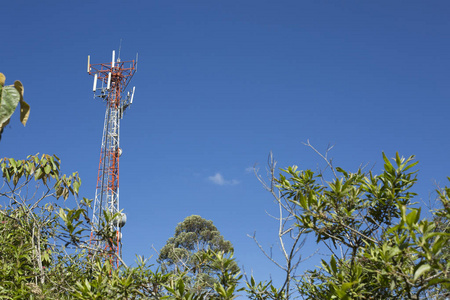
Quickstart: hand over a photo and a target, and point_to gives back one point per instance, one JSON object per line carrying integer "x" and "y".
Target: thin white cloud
{"x": 219, "y": 180}
{"x": 249, "y": 170}
{"x": 234, "y": 181}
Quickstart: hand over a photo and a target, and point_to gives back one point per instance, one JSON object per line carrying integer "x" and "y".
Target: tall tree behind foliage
{"x": 187, "y": 252}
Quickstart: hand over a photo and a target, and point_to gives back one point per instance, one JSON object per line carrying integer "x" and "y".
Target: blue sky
{"x": 219, "y": 85}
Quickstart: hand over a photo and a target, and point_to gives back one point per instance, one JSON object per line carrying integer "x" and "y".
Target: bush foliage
{"x": 380, "y": 245}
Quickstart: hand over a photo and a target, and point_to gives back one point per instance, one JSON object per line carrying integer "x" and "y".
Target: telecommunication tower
{"x": 110, "y": 81}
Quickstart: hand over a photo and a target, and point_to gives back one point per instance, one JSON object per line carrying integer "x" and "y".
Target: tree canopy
{"x": 193, "y": 235}
{"x": 187, "y": 251}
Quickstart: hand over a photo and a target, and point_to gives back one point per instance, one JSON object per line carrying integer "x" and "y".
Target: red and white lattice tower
{"x": 110, "y": 81}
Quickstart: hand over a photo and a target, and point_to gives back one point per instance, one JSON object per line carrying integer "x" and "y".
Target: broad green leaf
{"x": 411, "y": 217}
{"x": 9, "y": 100}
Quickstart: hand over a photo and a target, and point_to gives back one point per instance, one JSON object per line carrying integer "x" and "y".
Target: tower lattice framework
{"x": 110, "y": 82}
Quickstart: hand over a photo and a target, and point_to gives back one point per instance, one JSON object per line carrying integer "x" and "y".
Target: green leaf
{"x": 387, "y": 164}
{"x": 86, "y": 282}
{"x": 47, "y": 169}
{"x": 410, "y": 166}
{"x": 220, "y": 289}
{"x": 333, "y": 264}
{"x": 6, "y": 173}
{"x": 340, "y": 170}
{"x": 303, "y": 201}
{"x": 437, "y": 246}
{"x": 24, "y": 112}
{"x": 37, "y": 174}
{"x": 76, "y": 186}
{"x": 422, "y": 269}
{"x": 411, "y": 217}
{"x": 24, "y": 107}
{"x": 9, "y": 99}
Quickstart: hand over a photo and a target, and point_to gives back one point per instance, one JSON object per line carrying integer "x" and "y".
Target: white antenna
{"x": 95, "y": 82}
{"x": 113, "y": 59}
{"x": 89, "y": 65}
{"x": 132, "y": 95}
{"x": 136, "y": 60}
{"x": 120, "y": 47}
{"x": 109, "y": 81}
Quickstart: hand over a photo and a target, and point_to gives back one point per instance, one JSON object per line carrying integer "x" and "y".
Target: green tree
{"x": 441, "y": 219}
{"x": 31, "y": 233}
{"x": 190, "y": 250}
{"x": 44, "y": 244}
{"x": 380, "y": 246}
